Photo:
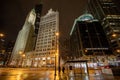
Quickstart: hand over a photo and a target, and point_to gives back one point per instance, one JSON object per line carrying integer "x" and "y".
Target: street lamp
{"x": 1, "y": 35}
{"x": 20, "y": 52}
{"x": 57, "y": 34}
{"x": 55, "y": 63}
{"x": 23, "y": 55}
{"x": 118, "y": 50}
{"x": 2, "y": 48}
{"x": 114, "y": 35}
{"x": 56, "y": 53}
{"x": 86, "y": 50}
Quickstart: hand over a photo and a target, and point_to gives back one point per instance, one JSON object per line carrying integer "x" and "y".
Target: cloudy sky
{"x": 13, "y": 14}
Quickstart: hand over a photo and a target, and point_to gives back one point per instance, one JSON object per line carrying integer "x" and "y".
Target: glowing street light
{"x": 114, "y": 35}
{"x": 1, "y": 35}
{"x": 20, "y": 52}
{"x": 23, "y": 55}
{"x": 57, "y": 34}
{"x": 118, "y": 50}
{"x": 86, "y": 50}
{"x": 56, "y": 53}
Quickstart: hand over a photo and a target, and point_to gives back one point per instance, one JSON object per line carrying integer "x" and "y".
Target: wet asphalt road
{"x": 26, "y": 74}
{"x": 46, "y": 74}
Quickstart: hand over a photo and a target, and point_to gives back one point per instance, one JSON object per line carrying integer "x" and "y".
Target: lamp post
{"x": 2, "y": 42}
{"x": 55, "y": 64}
{"x": 2, "y": 49}
{"x": 56, "y": 53}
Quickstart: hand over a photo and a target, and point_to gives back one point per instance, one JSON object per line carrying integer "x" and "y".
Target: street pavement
{"x": 47, "y": 74}
{"x": 26, "y": 74}
{"x": 71, "y": 76}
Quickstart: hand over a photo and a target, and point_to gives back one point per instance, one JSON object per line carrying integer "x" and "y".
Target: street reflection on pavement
{"x": 26, "y": 74}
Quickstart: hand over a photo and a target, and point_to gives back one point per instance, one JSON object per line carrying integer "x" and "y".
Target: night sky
{"x": 13, "y": 14}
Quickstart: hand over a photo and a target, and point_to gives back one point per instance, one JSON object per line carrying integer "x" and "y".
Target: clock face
{"x": 31, "y": 18}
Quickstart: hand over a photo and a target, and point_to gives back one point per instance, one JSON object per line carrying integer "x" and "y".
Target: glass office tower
{"x": 88, "y": 37}
{"x": 108, "y": 13}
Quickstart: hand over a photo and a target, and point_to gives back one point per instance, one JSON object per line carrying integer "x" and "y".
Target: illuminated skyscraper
{"x": 108, "y": 13}
{"x": 47, "y": 40}
{"x": 87, "y": 37}
{"x": 27, "y": 36}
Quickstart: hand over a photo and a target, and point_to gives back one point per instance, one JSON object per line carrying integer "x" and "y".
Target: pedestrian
{"x": 59, "y": 69}
{"x": 63, "y": 69}
{"x": 70, "y": 67}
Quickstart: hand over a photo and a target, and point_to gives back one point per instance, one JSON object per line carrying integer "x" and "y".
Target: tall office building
{"x": 47, "y": 40}
{"x": 87, "y": 37}
{"x": 24, "y": 38}
{"x": 108, "y": 13}
{"x": 27, "y": 37}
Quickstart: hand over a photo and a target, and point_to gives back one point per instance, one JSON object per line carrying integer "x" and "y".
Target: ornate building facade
{"x": 47, "y": 40}
{"x": 26, "y": 39}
